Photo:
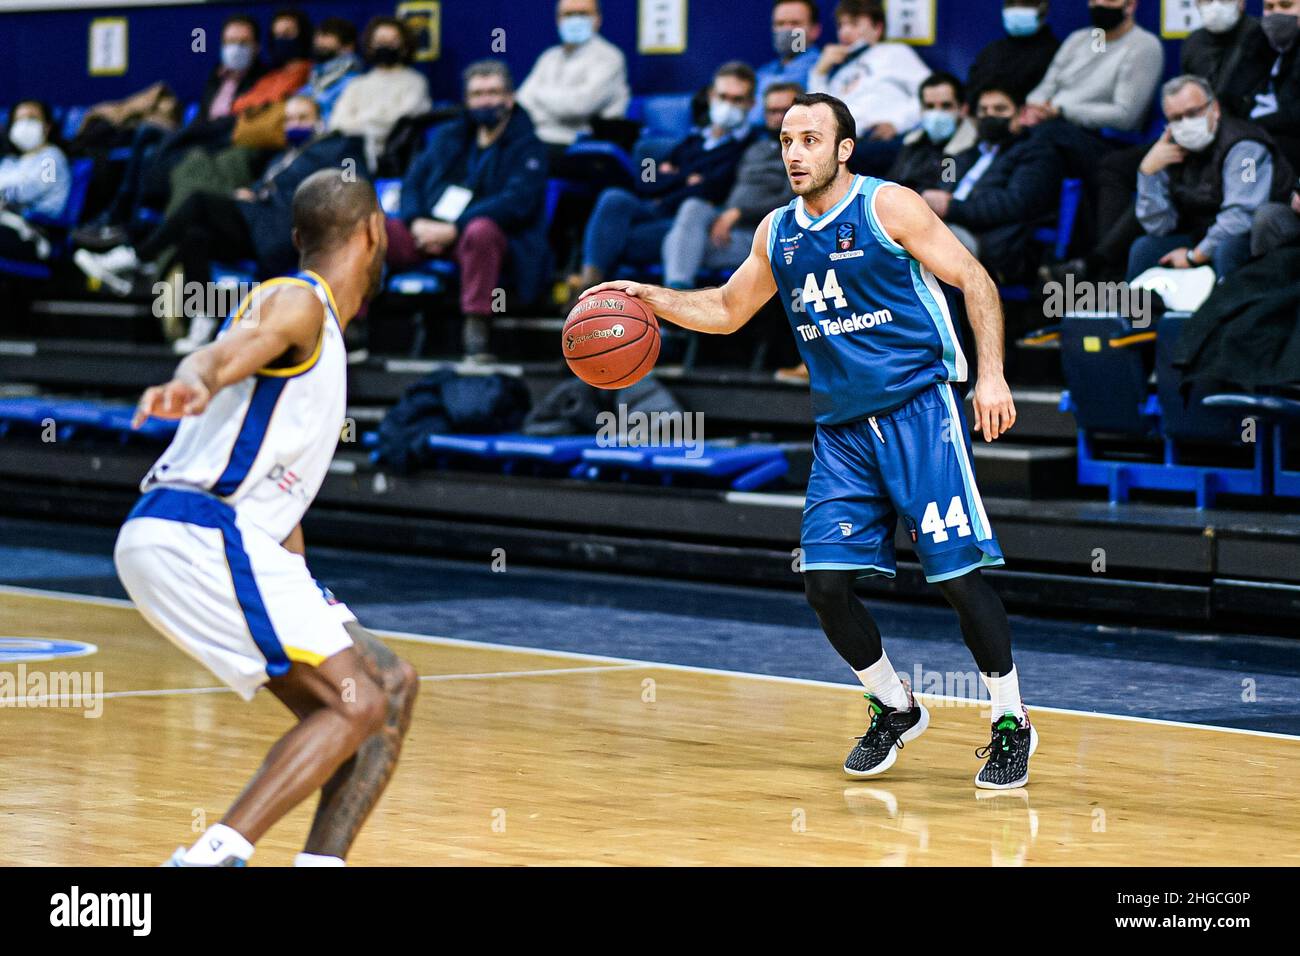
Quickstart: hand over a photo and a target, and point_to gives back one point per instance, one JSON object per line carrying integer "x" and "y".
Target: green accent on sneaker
{"x": 876, "y": 706}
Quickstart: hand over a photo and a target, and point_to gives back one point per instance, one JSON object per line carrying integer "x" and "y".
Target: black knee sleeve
{"x": 984, "y": 624}
{"x": 847, "y": 624}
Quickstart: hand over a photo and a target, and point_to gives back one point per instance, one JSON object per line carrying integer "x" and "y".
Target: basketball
{"x": 611, "y": 340}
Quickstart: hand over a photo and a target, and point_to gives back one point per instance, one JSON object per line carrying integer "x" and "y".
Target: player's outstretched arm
{"x": 714, "y": 311}
{"x": 293, "y": 326}
{"x": 911, "y": 223}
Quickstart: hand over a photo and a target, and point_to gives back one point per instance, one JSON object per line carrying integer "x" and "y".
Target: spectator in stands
{"x": 630, "y": 227}
{"x": 334, "y": 50}
{"x": 1225, "y": 51}
{"x": 946, "y": 131}
{"x": 879, "y": 82}
{"x": 706, "y": 237}
{"x": 1005, "y": 185}
{"x": 1018, "y": 61}
{"x": 1275, "y": 225}
{"x": 1267, "y": 90}
{"x": 373, "y": 103}
{"x": 254, "y": 223}
{"x": 1201, "y": 183}
{"x": 289, "y": 63}
{"x": 583, "y": 77}
{"x": 1095, "y": 85}
{"x": 34, "y": 181}
{"x": 477, "y": 196}
{"x": 796, "y": 28}
{"x": 240, "y": 67}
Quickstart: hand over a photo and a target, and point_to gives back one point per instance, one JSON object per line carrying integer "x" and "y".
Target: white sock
{"x": 218, "y": 843}
{"x": 1004, "y": 694}
{"x": 316, "y": 859}
{"x": 881, "y": 680}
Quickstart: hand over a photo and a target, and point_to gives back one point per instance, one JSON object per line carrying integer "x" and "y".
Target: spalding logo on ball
{"x": 611, "y": 340}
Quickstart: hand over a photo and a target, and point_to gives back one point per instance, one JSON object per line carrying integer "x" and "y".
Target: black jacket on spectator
{"x": 1218, "y": 57}
{"x": 270, "y": 220}
{"x": 919, "y": 165}
{"x": 1253, "y": 78}
{"x": 251, "y": 76}
{"x": 1019, "y": 190}
{"x": 1196, "y": 184}
{"x": 717, "y": 166}
{"x": 1017, "y": 64}
{"x": 509, "y": 187}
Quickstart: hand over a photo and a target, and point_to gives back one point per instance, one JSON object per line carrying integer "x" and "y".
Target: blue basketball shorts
{"x": 913, "y": 464}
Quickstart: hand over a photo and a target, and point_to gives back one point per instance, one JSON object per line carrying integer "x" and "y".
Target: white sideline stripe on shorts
{"x": 690, "y": 668}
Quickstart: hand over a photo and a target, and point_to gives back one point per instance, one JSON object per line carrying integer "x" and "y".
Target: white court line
{"x": 42, "y": 700}
{"x": 690, "y": 668}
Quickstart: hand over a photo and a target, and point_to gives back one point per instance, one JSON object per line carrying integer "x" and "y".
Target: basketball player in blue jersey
{"x": 212, "y": 553}
{"x": 857, "y": 263}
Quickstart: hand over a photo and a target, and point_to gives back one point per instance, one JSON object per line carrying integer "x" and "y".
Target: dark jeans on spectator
{"x": 1117, "y": 223}
{"x": 204, "y": 225}
{"x": 624, "y": 228}
{"x": 14, "y": 246}
{"x": 144, "y": 146}
{"x": 479, "y": 252}
{"x": 1229, "y": 255}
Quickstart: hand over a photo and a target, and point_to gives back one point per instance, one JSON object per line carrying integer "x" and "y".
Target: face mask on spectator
{"x": 284, "y": 49}
{"x": 385, "y": 55}
{"x": 27, "y": 134}
{"x": 236, "y": 56}
{"x": 323, "y": 54}
{"x": 725, "y": 115}
{"x": 994, "y": 129}
{"x": 1192, "y": 133}
{"x": 487, "y": 117}
{"x": 576, "y": 30}
{"x": 783, "y": 42}
{"x": 298, "y": 136}
{"x": 1220, "y": 16}
{"x": 1021, "y": 21}
{"x": 1106, "y": 18}
{"x": 939, "y": 125}
{"x": 1281, "y": 29}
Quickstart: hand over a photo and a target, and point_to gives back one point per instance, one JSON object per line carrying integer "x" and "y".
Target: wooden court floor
{"x": 522, "y": 757}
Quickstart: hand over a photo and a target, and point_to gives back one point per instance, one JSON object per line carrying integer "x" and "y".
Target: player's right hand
{"x": 174, "y": 400}
{"x": 635, "y": 289}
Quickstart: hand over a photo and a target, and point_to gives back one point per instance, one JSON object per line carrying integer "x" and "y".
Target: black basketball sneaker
{"x": 1013, "y": 742}
{"x": 877, "y": 749}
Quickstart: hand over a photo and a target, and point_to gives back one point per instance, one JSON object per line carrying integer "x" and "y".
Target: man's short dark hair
{"x": 327, "y": 207}
{"x": 297, "y": 16}
{"x": 247, "y": 21}
{"x": 941, "y": 78}
{"x": 408, "y": 46}
{"x": 845, "y": 127}
{"x": 1005, "y": 89}
{"x": 861, "y": 8}
{"x": 782, "y": 87}
{"x": 814, "y": 15}
{"x": 340, "y": 28}
{"x": 741, "y": 71}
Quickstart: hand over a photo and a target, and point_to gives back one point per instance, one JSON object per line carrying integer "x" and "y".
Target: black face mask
{"x": 324, "y": 55}
{"x": 994, "y": 129}
{"x": 385, "y": 56}
{"x": 1106, "y": 18}
{"x": 284, "y": 49}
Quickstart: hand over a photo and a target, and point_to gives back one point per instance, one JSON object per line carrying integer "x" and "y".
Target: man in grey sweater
{"x": 704, "y": 237}
{"x": 1103, "y": 76}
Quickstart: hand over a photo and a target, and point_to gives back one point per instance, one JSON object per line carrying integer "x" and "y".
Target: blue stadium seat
{"x": 1282, "y": 414}
{"x": 663, "y": 115}
{"x": 1058, "y": 237}
{"x": 741, "y": 467}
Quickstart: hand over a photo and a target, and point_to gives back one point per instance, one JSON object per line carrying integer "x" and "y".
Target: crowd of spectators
{"x": 988, "y": 153}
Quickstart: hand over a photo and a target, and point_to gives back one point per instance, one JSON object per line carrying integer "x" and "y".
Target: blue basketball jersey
{"x": 871, "y": 322}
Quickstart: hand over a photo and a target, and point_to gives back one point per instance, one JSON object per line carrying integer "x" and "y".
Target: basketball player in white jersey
{"x": 212, "y": 553}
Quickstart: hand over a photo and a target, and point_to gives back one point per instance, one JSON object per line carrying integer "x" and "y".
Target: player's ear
{"x": 296, "y": 244}
{"x": 846, "y": 149}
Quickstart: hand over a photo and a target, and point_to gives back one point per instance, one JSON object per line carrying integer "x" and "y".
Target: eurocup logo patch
{"x": 845, "y": 236}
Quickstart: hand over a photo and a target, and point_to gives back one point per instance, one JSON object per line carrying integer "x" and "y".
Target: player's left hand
{"x": 634, "y": 289}
{"x": 174, "y": 400}
{"x": 995, "y": 412}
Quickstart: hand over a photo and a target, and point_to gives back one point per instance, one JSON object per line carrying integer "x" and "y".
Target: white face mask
{"x": 726, "y": 115}
{"x": 1193, "y": 133}
{"x": 1220, "y": 16}
{"x": 27, "y": 134}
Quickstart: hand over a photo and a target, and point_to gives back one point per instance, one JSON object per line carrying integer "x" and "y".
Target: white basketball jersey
{"x": 264, "y": 445}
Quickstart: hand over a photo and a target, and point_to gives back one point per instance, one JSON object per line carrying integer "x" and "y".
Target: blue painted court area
{"x": 1228, "y": 680}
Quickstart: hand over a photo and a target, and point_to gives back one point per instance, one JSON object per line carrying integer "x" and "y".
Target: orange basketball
{"x": 611, "y": 340}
